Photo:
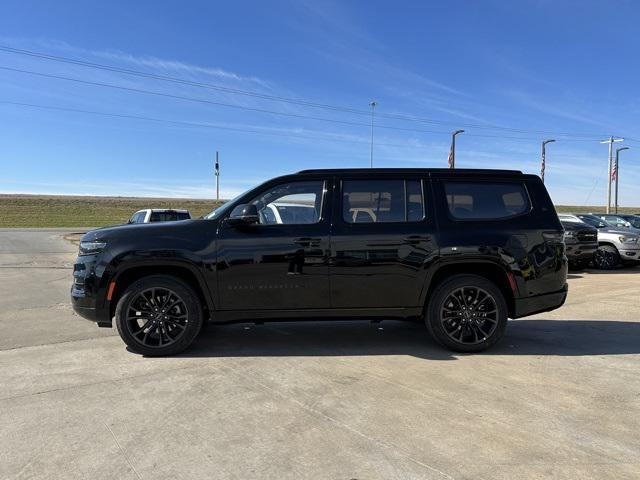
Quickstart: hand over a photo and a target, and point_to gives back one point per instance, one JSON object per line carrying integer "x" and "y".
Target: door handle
{"x": 307, "y": 242}
{"x": 416, "y": 239}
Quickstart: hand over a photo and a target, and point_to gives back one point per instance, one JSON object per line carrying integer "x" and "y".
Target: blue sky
{"x": 509, "y": 73}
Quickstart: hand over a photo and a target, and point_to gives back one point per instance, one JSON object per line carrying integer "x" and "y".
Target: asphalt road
{"x": 558, "y": 398}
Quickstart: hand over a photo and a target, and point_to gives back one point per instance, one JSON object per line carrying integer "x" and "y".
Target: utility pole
{"x": 544, "y": 143}
{"x": 617, "y": 173}
{"x": 373, "y": 106}
{"x": 452, "y": 152}
{"x": 217, "y": 173}
{"x": 610, "y": 141}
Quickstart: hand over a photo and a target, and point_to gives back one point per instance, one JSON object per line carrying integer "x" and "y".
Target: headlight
{"x": 628, "y": 239}
{"x": 91, "y": 248}
{"x": 568, "y": 234}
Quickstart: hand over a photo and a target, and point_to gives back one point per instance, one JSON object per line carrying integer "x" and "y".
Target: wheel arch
{"x": 492, "y": 271}
{"x": 183, "y": 271}
{"x": 608, "y": 244}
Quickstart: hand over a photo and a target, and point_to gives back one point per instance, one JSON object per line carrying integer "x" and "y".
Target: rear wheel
{"x": 606, "y": 257}
{"x": 158, "y": 315}
{"x": 467, "y": 313}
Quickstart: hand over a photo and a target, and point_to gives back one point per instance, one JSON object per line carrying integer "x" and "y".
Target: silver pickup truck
{"x": 615, "y": 245}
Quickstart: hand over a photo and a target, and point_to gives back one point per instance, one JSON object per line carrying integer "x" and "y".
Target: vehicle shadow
{"x": 348, "y": 338}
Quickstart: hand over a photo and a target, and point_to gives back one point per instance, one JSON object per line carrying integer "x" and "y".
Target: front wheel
{"x": 606, "y": 257}
{"x": 158, "y": 315}
{"x": 467, "y": 313}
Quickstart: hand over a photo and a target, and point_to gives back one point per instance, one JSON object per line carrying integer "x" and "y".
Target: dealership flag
{"x": 450, "y": 160}
{"x": 614, "y": 172}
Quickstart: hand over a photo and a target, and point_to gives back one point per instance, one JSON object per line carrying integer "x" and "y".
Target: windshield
{"x": 217, "y": 212}
{"x": 634, "y": 220}
{"x": 593, "y": 221}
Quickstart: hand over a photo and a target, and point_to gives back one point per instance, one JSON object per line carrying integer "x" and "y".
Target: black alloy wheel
{"x": 158, "y": 315}
{"x": 606, "y": 257}
{"x": 467, "y": 313}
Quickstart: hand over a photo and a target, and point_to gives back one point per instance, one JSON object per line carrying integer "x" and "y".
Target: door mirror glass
{"x": 245, "y": 214}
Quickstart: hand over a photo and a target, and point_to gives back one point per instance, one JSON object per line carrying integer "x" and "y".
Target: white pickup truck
{"x": 149, "y": 215}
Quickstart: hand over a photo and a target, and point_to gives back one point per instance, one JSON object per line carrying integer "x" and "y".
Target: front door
{"x": 383, "y": 241}
{"x": 282, "y": 262}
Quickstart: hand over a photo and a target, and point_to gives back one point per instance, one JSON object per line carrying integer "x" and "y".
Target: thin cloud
{"x": 156, "y": 63}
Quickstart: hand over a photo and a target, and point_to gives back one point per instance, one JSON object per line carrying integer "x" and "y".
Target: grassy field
{"x": 70, "y": 211}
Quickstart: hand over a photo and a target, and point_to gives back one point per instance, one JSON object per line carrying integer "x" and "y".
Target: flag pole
{"x": 217, "y": 173}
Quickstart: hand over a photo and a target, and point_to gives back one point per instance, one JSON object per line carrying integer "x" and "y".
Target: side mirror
{"x": 245, "y": 214}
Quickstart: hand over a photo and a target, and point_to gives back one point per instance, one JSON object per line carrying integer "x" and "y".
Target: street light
{"x": 452, "y": 152}
{"x": 373, "y": 106}
{"x": 617, "y": 174}
{"x": 544, "y": 143}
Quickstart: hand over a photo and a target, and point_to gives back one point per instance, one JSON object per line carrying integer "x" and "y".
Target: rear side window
{"x": 382, "y": 201}
{"x": 486, "y": 200}
{"x": 167, "y": 216}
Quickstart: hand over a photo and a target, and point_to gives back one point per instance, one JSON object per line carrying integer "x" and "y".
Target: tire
{"x": 606, "y": 257}
{"x": 476, "y": 330}
{"x": 158, "y": 315}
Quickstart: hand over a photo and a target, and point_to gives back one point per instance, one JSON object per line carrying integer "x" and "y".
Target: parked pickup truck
{"x": 615, "y": 245}
{"x": 460, "y": 250}
{"x": 581, "y": 241}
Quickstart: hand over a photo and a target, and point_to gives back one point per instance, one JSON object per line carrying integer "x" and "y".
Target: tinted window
{"x": 293, "y": 203}
{"x": 167, "y": 216}
{"x": 486, "y": 200}
{"x": 379, "y": 201}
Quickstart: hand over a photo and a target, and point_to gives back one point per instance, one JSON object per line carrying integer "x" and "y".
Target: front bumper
{"x": 629, "y": 254}
{"x": 580, "y": 251}
{"x": 540, "y": 303}
{"x": 88, "y": 293}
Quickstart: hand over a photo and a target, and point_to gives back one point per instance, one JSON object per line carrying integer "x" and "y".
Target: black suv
{"x": 461, "y": 250}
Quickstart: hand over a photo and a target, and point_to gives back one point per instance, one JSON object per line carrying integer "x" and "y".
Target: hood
{"x": 145, "y": 230}
{"x": 619, "y": 231}
{"x": 575, "y": 226}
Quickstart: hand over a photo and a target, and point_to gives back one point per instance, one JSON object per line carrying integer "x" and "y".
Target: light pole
{"x": 617, "y": 171}
{"x": 373, "y": 106}
{"x": 610, "y": 141}
{"x": 544, "y": 143}
{"x": 452, "y": 152}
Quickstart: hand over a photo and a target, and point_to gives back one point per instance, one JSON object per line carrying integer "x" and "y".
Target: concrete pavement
{"x": 558, "y": 398}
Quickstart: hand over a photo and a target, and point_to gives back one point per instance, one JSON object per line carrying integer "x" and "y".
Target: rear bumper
{"x": 540, "y": 303}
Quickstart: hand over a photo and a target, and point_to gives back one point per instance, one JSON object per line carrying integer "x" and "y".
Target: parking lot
{"x": 559, "y": 397}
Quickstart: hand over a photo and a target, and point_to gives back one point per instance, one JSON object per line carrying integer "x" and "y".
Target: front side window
{"x": 486, "y": 200}
{"x": 382, "y": 201}
{"x": 293, "y": 203}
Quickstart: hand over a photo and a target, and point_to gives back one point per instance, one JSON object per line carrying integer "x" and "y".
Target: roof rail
{"x": 477, "y": 171}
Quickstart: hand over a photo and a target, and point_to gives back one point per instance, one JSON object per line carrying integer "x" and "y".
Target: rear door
{"x": 382, "y": 241}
